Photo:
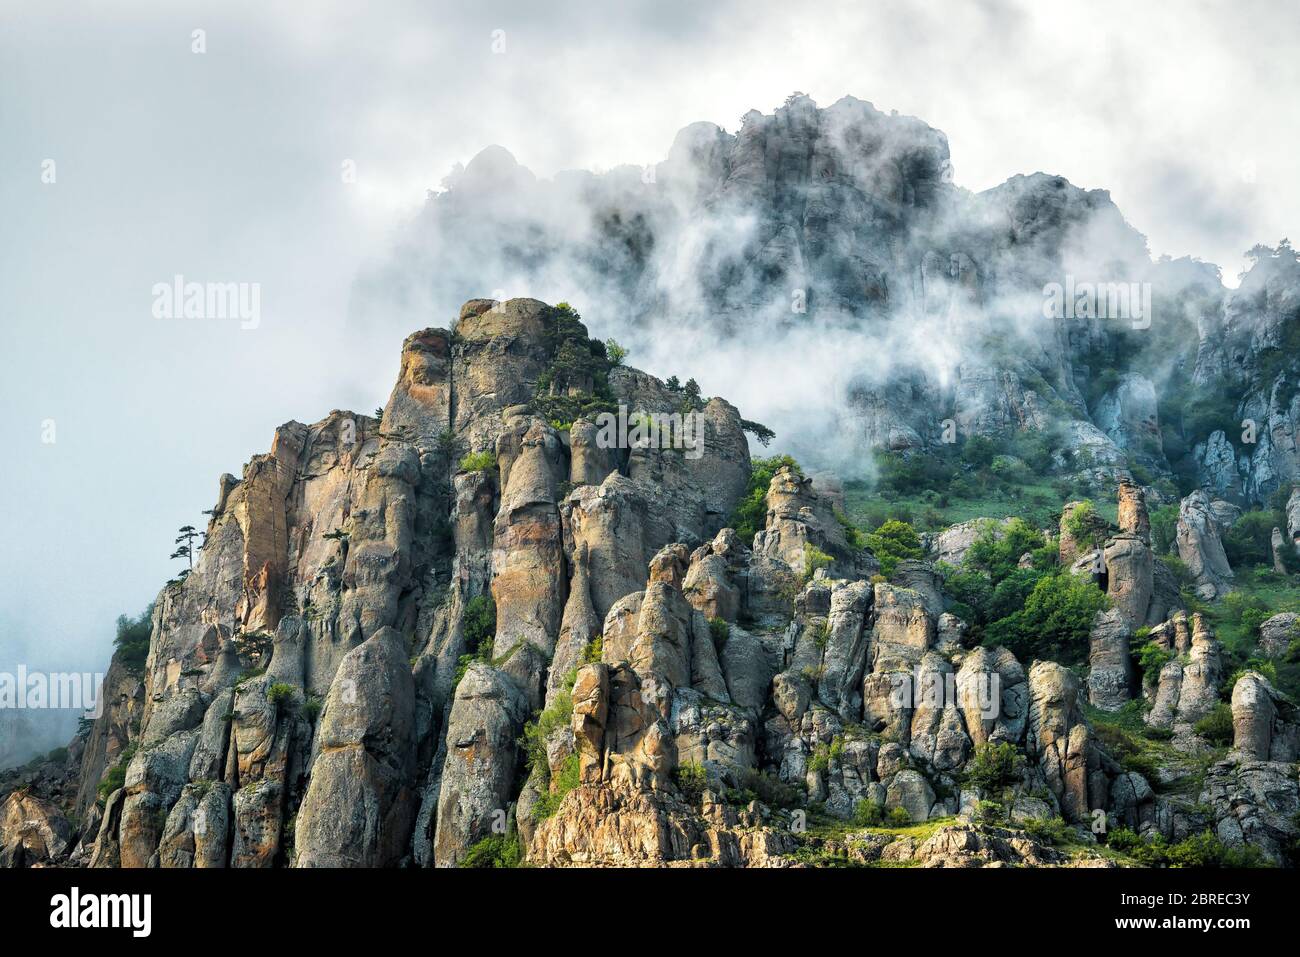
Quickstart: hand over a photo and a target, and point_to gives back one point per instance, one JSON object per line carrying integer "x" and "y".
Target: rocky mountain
{"x": 546, "y": 609}
{"x": 469, "y": 632}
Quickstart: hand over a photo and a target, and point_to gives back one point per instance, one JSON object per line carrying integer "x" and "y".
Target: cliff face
{"x": 465, "y": 632}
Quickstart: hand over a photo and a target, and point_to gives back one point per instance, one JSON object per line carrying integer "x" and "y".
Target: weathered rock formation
{"x": 1201, "y": 548}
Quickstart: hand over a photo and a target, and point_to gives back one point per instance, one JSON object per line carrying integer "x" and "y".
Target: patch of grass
{"x": 496, "y": 850}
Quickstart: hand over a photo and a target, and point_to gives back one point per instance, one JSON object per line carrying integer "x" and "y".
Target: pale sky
{"x": 225, "y": 166}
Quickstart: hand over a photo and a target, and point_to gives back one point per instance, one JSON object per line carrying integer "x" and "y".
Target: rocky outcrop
{"x": 1059, "y": 740}
{"x": 613, "y": 827}
{"x": 800, "y": 524}
{"x": 32, "y": 831}
{"x": 1187, "y": 688}
{"x": 1266, "y": 727}
{"x": 481, "y": 761}
{"x": 1110, "y": 665}
{"x": 1254, "y": 803}
{"x": 1277, "y": 551}
{"x": 1277, "y": 633}
{"x": 1293, "y": 517}
{"x": 360, "y": 804}
{"x": 1130, "y": 578}
{"x": 1129, "y": 415}
{"x": 312, "y": 695}
{"x": 1201, "y": 549}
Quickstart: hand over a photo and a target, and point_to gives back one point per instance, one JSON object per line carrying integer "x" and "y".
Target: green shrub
{"x": 576, "y": 381}
{"x": 994, "y": 768}
{"x": 479, "y": 620}
{"x": 311, "y": 707}
{"x": 594, "y": 650}
{"x": 614, "y": 352}
{"x": 1216, "y": 727}
{"x": 1151, "y": 659}
{"x": 115, "y": 777}
{"x": 1055, "y": 623}
{"x": 823, "y": 754}
{"x": 1203, "y": 850}
{"x": 691, "y": 780}
{"x": 280, "y": 694}
{"x": 1249, "y": 540}
{"x": 1164, "y": 526}
{"x": 891, "y": 543}
{"x": 478, "y": 628}
{"x": 979, "y": 451}
{"x": 900, "y": 473}
{"x": 549, "y": 720}
{"x": 1126, "y": 744}
{"x": 1049, "y": 830}
{"x": 852, "y": 534}
{"x": 867, "y": 813}
{"x": 719, "y": 631}
{"x": 1178, "y": 568}
{"x": 478, "y": 462}
{"x": 990, "y": 812}
{"x": 767, "y": 788}
{"x": 814, "y": 559}
{"x": 898, "y": 817}
{"x": 997, "y": 548}
{"x": 1085, "y": 526}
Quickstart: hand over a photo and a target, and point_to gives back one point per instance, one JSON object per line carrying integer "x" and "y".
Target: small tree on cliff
{"x": 185, "y": 544}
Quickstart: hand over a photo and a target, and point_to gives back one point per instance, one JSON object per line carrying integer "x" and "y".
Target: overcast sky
{"x": 226, "y": 166}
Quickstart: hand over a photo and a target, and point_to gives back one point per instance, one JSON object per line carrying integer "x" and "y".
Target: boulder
{"x": 32, "y": 830}
{"x": 1277, "y": 633}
